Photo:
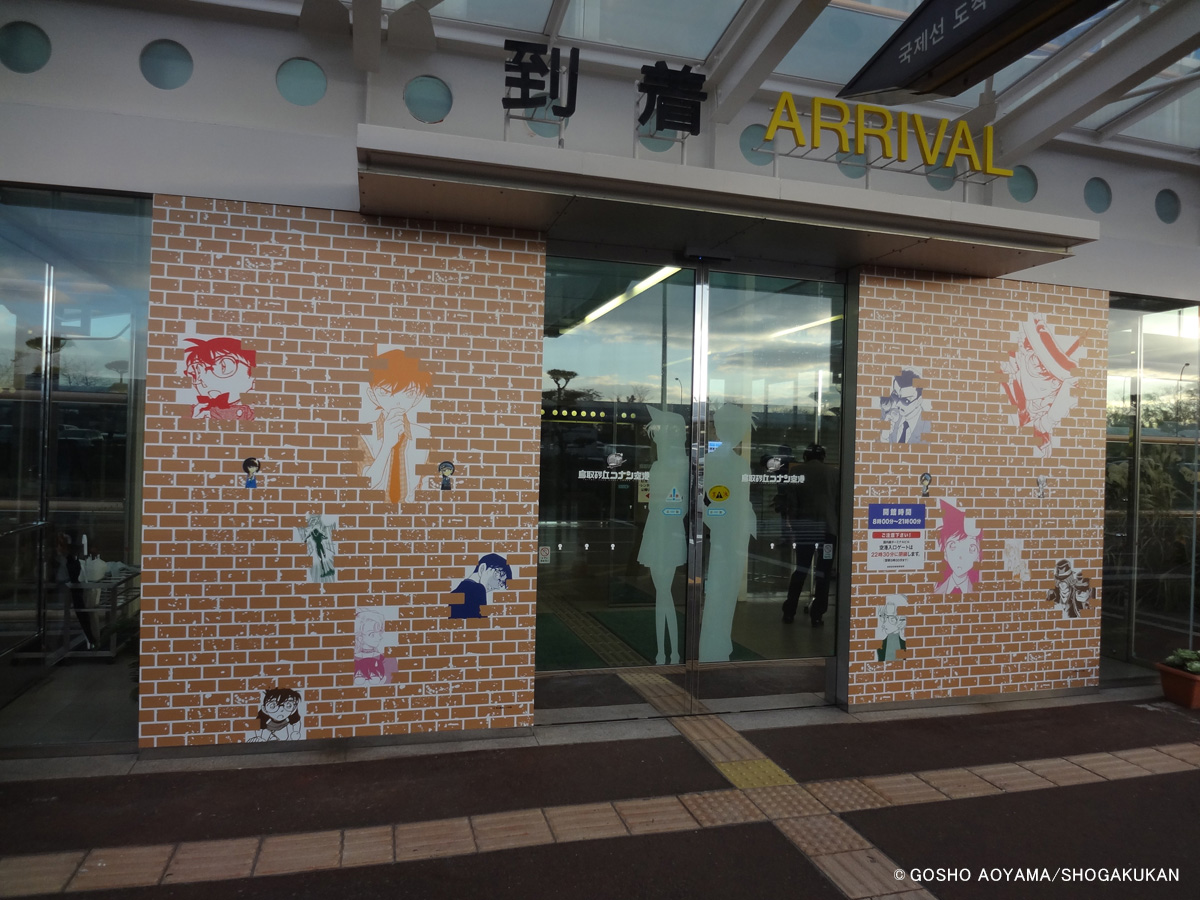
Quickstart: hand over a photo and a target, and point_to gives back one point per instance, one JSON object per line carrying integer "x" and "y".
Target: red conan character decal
{"x": 1041, "y": 375}
{"x": 221, "y": 371}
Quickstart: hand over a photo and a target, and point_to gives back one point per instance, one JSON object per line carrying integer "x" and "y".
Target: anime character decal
{"x": 903, "y": 409}
{"x": 317, "y": 536}
{"x": 251, "y": 468}
{"x": 1014, "y": 558}
{"x": 889, "y": 628}
{"x": 221, "y": 370}
{"x": 1072, "y": 590}
{"x": 445, "y": 475}
{"x": 371, "y": 638}
{"x": 959, "y": 540}
{"x": 491, "y": 574}
{"x": 393, "y": 398}
{"x": 278, "y": 717}
{"x": 1041, "y": 377}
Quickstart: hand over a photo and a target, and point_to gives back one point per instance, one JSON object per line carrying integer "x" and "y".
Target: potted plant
{"x": 1180, "y": 674}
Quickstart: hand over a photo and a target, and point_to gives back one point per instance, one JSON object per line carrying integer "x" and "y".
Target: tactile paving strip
{"x": 753, "y": 773}
{"x": 606, "y": 645}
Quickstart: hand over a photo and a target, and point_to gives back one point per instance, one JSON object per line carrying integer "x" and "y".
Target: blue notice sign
{"x": 891, "y": 515}
{"x": 896, "y": 536}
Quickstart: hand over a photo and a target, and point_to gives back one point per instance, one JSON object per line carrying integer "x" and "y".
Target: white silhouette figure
{"x": 664, "y": 544}
{"x": 731, "y": 523}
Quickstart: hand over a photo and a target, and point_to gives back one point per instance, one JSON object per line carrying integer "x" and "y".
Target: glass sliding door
{"x": 769, "y": 477}
{"x": 74, "y": 292}
{"x": 691, "y": 424}
{"x": 616, "y": 418}
{"x": 1153, "y": 449}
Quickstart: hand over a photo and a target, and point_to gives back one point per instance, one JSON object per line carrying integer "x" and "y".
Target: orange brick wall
{"x": 1005, "y": 636}
{"x": 228, "y": 610}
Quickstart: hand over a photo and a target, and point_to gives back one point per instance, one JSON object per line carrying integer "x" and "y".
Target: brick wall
{"x": 230, "y": 607}
{"x": 1004, "y": 635}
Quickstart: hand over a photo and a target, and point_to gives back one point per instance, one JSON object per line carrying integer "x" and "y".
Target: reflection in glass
{"x": 74, "y": 289}
{"x": 618, "y": 342}
{"x": 775, "y": 350}
{"x": 1151, "y": 479}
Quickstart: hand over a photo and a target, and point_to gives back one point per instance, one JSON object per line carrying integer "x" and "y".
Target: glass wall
{"x": 691, "y": 425}
{"x": 1151, "y": 507}
{"x": 617, "y": 379}
{"x": 74, "y": 292}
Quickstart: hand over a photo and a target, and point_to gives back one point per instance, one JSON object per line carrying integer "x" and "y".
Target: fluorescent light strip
{"x": 779, "y": 334}
{"x": 643, "y": 285}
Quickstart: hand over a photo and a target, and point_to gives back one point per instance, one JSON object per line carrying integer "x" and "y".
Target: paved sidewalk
{"x": 821, "y": 804}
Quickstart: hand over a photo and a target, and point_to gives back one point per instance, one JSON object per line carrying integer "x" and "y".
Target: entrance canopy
{"x": 576, "y": 196}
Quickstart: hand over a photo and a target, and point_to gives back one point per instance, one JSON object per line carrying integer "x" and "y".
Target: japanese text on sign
{"x": 673, "y": 96}
{"x": 586, "y": 475}
{"x": 772, "y": 479}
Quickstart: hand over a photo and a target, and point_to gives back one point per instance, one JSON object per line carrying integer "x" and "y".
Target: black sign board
{"x": 947, "y": 46}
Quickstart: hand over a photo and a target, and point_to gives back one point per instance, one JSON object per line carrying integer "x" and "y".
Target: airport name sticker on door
{"x": 896, "y": 536}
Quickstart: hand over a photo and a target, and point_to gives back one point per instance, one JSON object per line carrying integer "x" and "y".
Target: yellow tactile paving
{"x": 585, "y": 822}
{"x": 785, "y": 801}
{"x": 212, "y": 860}
{"x": 663, "y": 694}
{"x": 715, "y": 739}
{"x": 121, "y": 867}
{"x": 752, "y": 773}
{"x": 722, "y": 808}
{"x": 40, "y": 873}
{"x": 603, "y": 642}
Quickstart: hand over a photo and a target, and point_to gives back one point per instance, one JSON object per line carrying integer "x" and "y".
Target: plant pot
{"x": 1179, "y": 686}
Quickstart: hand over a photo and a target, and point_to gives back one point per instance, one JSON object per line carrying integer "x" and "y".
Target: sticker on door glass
{"x": 718, "y": 493}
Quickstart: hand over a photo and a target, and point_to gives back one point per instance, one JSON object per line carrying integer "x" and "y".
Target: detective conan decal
{"x": 393, "y": 397}
{"x": 889, "y": 627}
{"x": 317, "y": 536}
{"x": 903, "y": 409}
{"x": 279, "y": 717}
{"x": 371, "y": 639}
{"x": 1072, "y": 590}
{"x": 222, "y": 371}
{"x": 959, "y": 540}
{"x": 1014, "y": 558}
{"x": 475, "y": 590}
{"x": 251, "y": 469}
{"x": 1041, "y": 377}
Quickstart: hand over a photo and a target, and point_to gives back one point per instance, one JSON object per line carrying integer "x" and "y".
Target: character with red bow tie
{"x": 221, "y": 371}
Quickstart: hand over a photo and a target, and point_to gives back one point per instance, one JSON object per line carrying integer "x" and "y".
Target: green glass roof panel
{"x": 838, "y": 44}
{"x": 663, "y": 28}
{"x": 520, "y": 15}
